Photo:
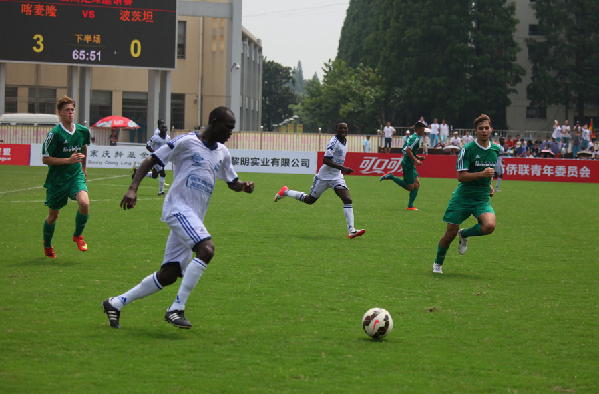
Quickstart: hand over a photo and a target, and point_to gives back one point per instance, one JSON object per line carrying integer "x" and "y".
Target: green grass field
{"x": 279, "y": 309}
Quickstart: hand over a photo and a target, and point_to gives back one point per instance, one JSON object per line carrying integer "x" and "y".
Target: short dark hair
{"x": 338, "y": 123}
{"x": 64, "y": 101}
{"x": 161, "y": 121}
{"x": 220, "y": 114}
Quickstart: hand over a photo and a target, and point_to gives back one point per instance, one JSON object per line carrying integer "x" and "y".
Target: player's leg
{"x": 318, "y": 187}
{"x": 397, "y": 180}
{"x": 82, "y": 215}
{"x": 48, "y": 231}
{"x": 348, "y": 210}
{"x": 413, "y": 193}
{"x": 485, "y": 226}
{"x": 499, "y": 177}
{"x": 450, "y": 233}
{"x": 161, "y": 181}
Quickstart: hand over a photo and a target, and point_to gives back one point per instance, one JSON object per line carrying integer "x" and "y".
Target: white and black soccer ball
{"x": 377, "y": 323}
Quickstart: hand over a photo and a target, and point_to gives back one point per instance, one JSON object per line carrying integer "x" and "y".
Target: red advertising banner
{"x": 444, "y": 166}
{"x": 15, "y": 155}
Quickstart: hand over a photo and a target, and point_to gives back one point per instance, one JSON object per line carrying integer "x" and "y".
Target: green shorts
{"x": 57, "y": 197}
{"x": 459, "y": 209}
{"x": 409, "y": 174}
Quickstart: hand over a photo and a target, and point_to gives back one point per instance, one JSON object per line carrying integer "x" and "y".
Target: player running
{"x": 64, "y": 152}
{"x": 475, "y": 167}
{"x": 410, "y": 181}
{"x": 199, "y": 159}
{"x": 153, "y": 145}
{"x": 330, "y": 175}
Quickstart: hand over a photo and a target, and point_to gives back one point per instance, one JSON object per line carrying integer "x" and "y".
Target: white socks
{"x": 192, "y": 275}
{"x": 148, "y": 286}
{"x": 348, "y": 211}
{"x": 295, "y": 194}
{"x": 161, "y": 181}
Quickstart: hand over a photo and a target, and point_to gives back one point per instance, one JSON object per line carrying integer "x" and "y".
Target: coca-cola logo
{"x": 372, "y": 165}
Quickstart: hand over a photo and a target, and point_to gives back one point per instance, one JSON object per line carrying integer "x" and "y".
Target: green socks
{"x": 413, "y": 195}
{"x": 399, "y": 181}
{"x": 80, "y": 221}
{"x": 474, "y": 231}
{"x": 48, "y": 233}
{"x": 441, "y": 252}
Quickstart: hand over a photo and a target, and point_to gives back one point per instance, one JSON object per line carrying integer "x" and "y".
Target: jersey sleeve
{"x": 463, "y": 160}
{"x": 168, "y": 152}
{"x": 86, "y": 135}
{"x": 226, "y": 172}
{"x": 50, "y": 145}
{"x": 330, "y": 151}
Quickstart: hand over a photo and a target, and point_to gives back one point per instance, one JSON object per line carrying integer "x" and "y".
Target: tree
{"x": 276, "y": 96}
{"x": 565, "y": 57}
{"x": 449, "y": 64}
{"x": 298, "y": 85}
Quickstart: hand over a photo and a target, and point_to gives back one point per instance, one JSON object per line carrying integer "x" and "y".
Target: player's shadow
{"x": 457, "y": 275}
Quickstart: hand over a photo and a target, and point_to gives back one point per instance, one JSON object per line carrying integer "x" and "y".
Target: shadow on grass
{"x": 456, "y": 275}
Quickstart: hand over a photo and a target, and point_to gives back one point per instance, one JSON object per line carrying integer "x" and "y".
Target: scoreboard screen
{"x": 129, "y": 33}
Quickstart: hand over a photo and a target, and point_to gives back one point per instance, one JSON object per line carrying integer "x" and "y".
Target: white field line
{"x": 39, "y": 187}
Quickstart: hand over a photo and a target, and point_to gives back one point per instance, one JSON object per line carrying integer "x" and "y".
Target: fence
{"x": 247, "y": 139}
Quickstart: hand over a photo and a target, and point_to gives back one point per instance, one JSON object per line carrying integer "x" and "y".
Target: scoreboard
{"x": 128, "y": 33}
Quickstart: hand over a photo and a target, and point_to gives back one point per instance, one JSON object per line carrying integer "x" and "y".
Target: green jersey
{"x": 61, "y": 143}
{"x": 414, "y": 144}
{"x": 475, "y": 158}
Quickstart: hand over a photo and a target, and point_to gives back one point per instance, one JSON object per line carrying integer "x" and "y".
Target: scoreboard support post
{"x": 2, "y": 87}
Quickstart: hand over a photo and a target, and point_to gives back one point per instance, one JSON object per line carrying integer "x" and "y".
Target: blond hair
{"x": 480, "y": 119}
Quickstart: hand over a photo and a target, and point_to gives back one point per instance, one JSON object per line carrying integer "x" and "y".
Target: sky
{"x": 297, "y": 30}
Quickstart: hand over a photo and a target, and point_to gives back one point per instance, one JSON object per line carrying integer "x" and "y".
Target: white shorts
{"x": 187, "y": 230}
{"x": 319, "y": 186}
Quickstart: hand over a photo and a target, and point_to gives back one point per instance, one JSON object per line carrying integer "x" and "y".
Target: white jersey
{"x": 444, "y": 129}
{"x": 434, "y": 128}
{"x": 336, "y": 150}
{"x": 157, "y": 141}
{"x": 196, "y": 168}
{"x": 499, "y": 163}
{"x": 388, "y": 131}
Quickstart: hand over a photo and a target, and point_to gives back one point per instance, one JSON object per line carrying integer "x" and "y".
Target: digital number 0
{"x": 135, "y": 48}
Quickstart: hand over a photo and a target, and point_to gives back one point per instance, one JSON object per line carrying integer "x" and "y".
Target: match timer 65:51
{"x": 130, "y": 33}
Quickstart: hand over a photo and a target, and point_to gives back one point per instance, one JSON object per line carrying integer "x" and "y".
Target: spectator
{"x": 423, "y": 121}
{"x": 566, "y": 136}
{"x": 444, "y": 131}
{"x": 586, "y": 137}
{"x": 557, "y": 133}
{"x": 366, "y": 144}
{"x": 520, "y": 150}
{"x": 434, "y": 133}
{"x": 539, "y": 140}
{"x": 455, "y": 141}
{"x": 467, "y": 138}
{"x": 113, "y": 138}
{"x": 389, "y": 133}
{"x": 509, "y": 142}
{"x": 576, "y": 143}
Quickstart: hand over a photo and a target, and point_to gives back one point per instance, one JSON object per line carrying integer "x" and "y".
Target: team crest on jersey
{"x": 197, "y": 159}
{"x": 217, "y": 166}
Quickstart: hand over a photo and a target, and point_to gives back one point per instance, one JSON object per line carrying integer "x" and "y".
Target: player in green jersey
{"x": 64, "y": 152}
{"x": 410, "y": 180}
{"x": 475, "y": 168}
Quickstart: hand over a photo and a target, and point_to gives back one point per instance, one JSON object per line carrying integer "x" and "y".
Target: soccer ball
{"x": 377, "y": 323}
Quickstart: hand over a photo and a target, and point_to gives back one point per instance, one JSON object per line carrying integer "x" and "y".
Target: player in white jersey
{"x": 330, "y": 175}
{"x": 499, "y": 165}
{"x": 199, "y": 159}
{"x": 153, "y": 145}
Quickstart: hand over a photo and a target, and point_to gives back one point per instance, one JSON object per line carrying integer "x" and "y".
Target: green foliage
{"x": 278, "y": 310}
{"x": 277, "y": 96}
{"x": 565, "y": 57}
{"x": 453, "y": 64}
{"x": 353, "y": 95}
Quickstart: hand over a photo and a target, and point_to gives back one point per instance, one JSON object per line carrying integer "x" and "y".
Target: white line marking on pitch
{"x": 39, "y": 187}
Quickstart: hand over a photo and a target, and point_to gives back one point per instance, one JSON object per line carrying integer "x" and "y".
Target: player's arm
{"x": 415, "y": 159}
{"x": 84, "y": 161}
{"x": 465, "y": 176}
{"x": 149, "y": 149}
{"x": 239, "y": 186}
{"x": 329, "y": 162}
{"x": 130, "y": 198}
{"x": 61, "y": 161}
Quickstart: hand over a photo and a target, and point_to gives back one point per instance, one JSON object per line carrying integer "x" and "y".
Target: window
{"x": 135, "y": 107}
{"x": 41, "y": 101}
{"x": 533, "y": 30}
{"x": 101, "y": 105}
{"x": 181, "y": 26}
{"x": 178, "y": 111}
{"x": 536, "y": 113}
{"x": 10, "y": 103}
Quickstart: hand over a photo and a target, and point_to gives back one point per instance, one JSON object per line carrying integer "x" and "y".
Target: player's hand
{"x": 418, "y": 162}
{"x": 128, "y": 202}
{"x": 76, "y": 158}
{"x": 487, "y": 173}
{"x": 421, "y": 158}
{"x": 247, "y": 187}
{"x": 347, "y": 170}
{"x": 492, "y": 192}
